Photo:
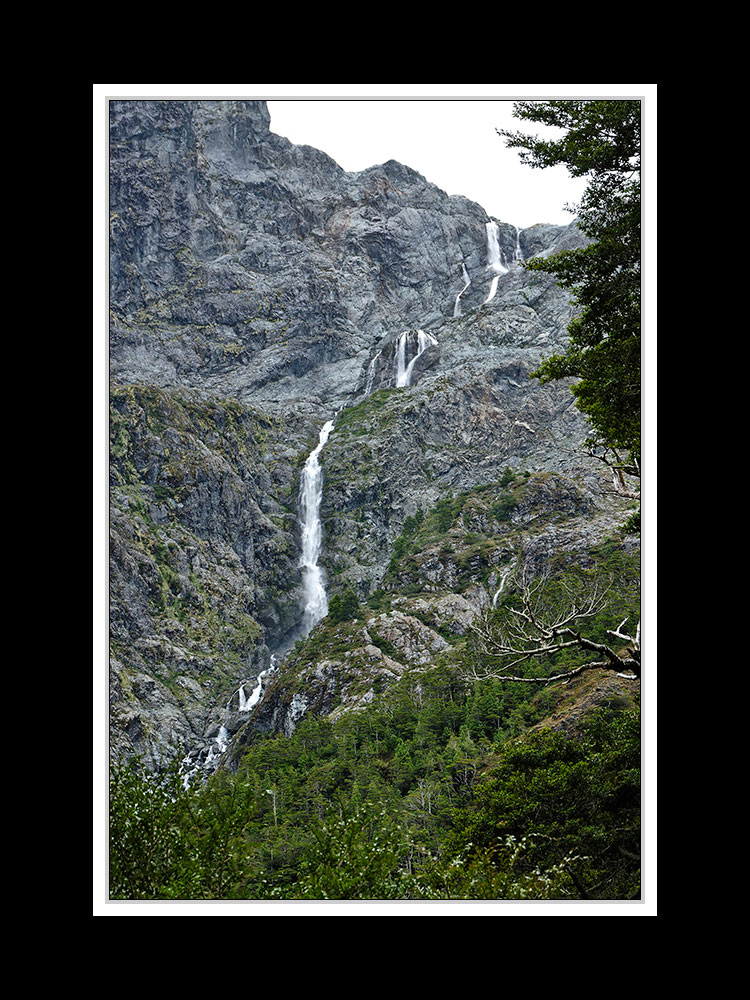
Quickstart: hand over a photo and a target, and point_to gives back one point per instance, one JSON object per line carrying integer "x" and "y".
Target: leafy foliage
{"x": 414, "y": 798}
{"x": 601, "y": 141}
{"x": 343, "y": 607}
{"x": 576, "y": 801}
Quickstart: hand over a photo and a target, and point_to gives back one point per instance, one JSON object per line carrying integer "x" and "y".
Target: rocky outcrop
{"x": 260, "y": 270}
{"x": 203, "y": 561}
{"x": 258, "y": 290}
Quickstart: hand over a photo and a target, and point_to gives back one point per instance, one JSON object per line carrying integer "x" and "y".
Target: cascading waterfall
{"x": 457, "y": 303}
{"x": 405, "y": 341}
{"x": 310, "y": 496}
{"x": 248, "y": 703}
{"x": 206, "y": 759}
{"x": 311, "y": 492}
{"x": 494, "y": 258}
{"x": 518, "y": 255}
{"x": 370, "y": 382}
{"x": 499, "y": 590}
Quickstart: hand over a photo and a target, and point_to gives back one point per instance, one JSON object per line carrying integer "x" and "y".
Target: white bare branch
{"x": 619, "y": 469}
{"x": 619, "y": 634}
{"x": 532, "y": 632}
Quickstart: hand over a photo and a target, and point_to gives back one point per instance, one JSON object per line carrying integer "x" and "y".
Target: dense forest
{"x": 457, "y": 714}
{"x": 439, "y": 793}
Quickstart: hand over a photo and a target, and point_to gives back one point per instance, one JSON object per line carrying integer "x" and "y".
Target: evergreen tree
{"x": 343, "y": 607}
{"x": 576, "y": 802}
{"x": 601, "y": 142}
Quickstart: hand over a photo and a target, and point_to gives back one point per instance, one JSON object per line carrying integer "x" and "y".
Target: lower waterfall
{"x": 311, "y": 492}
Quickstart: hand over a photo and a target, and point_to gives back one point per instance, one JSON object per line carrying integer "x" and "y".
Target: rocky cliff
{"x": 257, "y": 290}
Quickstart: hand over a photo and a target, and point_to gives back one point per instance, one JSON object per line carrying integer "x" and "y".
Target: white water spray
{"x": 311, "y": 492}
{"x": 499, "y": 590}
{"x": 519, "y": 255}
{"x": 406, "y": 340}
{"x": 246, "y": 704}
{"x": 494, "y": 258}
{"x": 371, "y": 374}
{"x": 457, "y": 303}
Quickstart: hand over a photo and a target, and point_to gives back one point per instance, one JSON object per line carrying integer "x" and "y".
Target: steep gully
{"x": 410, "y": 345}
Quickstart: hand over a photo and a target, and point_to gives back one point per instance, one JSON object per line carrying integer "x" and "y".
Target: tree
{"x": 538, "y": 631}
{"x": 574, "y": 806}
{"x": 343, "y": 607}
{"x": 601, "y": 141}
{"x": 355, "y": 855}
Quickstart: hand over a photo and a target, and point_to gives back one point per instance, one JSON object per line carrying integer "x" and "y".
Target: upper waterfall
{"x": 494, "y": 258}
{"x": 408, "y": 341}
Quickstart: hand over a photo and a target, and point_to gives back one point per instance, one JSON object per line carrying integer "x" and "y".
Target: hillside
{"x": 329, "y": 462}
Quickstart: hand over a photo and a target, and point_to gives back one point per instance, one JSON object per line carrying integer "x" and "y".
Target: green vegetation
{"x": 413, "y": 796}
{"x": 356, "y": 419}
{"x": 343, "y": 607}
{"x": 601, "y": 141}
{"x": 463, "y": 539}
{"x": 433, "y": 792}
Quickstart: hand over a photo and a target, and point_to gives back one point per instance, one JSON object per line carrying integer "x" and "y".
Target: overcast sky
{"x": 452, "y": 143}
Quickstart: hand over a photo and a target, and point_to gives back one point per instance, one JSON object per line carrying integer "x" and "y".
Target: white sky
{"x": 452, "y": 143}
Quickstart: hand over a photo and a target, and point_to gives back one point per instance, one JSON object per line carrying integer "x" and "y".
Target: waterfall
{"x": 519, "y": 255}
{"x": 205, "y": 759}
{"x": 457, "y": 304}
{"x": 494, "y": 253}
{"x": 401, "y": 358}
{"x": 494, "y": 258}
{"x": 247, "y": 703}
{"x": 499, "y": 590}
{"x": 371, "y": 374}
{"x": 404, "y": 370}
{"x": 311, "y": 492}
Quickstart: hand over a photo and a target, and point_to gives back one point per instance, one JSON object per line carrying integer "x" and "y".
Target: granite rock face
{"x": 253, "y": 268}
{"x": 258, "y": 290}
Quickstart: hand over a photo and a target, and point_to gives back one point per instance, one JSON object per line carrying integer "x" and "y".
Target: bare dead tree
{"x": 620, "y": 468}
{"x": 535, "y": 631}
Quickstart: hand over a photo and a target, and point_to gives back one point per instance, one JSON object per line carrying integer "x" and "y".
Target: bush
{"x": 343, "y": 607}
{"x": 354, "y": 856}
{"x": 503, "y": 507}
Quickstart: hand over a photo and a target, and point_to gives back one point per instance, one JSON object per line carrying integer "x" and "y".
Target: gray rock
{"x": 258, "y": 290}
